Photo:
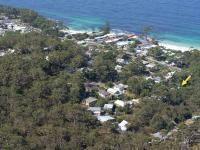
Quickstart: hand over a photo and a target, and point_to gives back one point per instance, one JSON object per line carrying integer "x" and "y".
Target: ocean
{"x": 173, "y": 22}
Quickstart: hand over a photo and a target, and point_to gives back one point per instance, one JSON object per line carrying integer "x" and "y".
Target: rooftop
{"x": 104, "y": 118}
{"x": 91, "y": 99}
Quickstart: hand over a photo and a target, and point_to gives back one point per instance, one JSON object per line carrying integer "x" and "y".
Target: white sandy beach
{"x": 176, "y": 46}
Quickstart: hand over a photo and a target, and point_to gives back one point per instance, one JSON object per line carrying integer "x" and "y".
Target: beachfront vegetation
{"x": 157, "y": 53}
{"x": 146, "y": 31}
{"x": 106, "y": 28}
{"x": 42, "y": 90}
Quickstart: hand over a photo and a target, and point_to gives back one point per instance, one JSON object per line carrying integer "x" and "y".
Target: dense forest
{"x": 42, "y": 88}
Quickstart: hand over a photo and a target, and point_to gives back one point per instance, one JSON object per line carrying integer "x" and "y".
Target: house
{"x": 123, "y": 125}
{"x": 108, "y": 106}
{"x": 145, "y": 62}
{"x": 157, "y": 79}
{"x": 151, "y": 65}
{"x": 118, "y": 68}
{"x": 89, "y": 86}
{"x": 117, "y": 90}
{"x": 189, "y": 122}
{"x": 2, "y": 53}
{"x": 138, "y": 51}
{"x": 82, "y": 69}
{"x": 129, "y": 103}
{"x": 169, "y": 75}
{"x": 81, "y": 42}
{"x": 159, "y": 136}
{"x": 104, "y": 94}
{"x": 91, "y": 101}
{"x": 47, "y": 58}
{"x": 48, "y": 48}
{"x": 95, "y": 110}
{"x": 119, "y": 103}
{"x": 103, "y": 119}
{"x": 89, "y": 54}
{"x": 131, "y": 36}
{"x": 149, "y": 78}
{"x": 136, "y": 101}
{"x": 129, "y": 53}
{"x": 90, "y": 62}
{"x": 21, "y": 29}
{"x": 123, "y": 44}
{"x": 10, "y": 51}
{"x": 112, "y": 40}
{"x": 114, "y": 91}
{"x": 172, "y": 64}
{"x": 144, "y": 53}
{"x": 196, "y": 117}
{"x": 144, "y": 46}
{"x": 121, "y": 61}
{"x": 121, "y": 87}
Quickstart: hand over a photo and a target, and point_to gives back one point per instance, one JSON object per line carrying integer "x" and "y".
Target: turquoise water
{"x": 177, "y": 21}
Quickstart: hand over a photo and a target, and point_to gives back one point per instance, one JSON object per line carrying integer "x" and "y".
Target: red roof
{"x": 130, "y": 35}
{"x": 142, "y": 44}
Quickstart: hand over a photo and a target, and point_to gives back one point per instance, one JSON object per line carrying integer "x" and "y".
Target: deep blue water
{"x": 177, "y": 21}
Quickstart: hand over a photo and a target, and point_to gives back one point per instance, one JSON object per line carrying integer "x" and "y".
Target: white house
{"x": 118, "y": 68}
{"x": 95, "y": 110}
{"x": 122, "y": 44}
{"x": 113, "y": 40}
{"x": 138, "y": 51}
{"x": 123, "y": 125}
{"x": 157, "y": 79}
{"x": 47, "y": 58}
{"x": 149, "y": 78}
{"x": 81, "y": 42}
{"x": 114, "y": 91}
{"x": 145, "y": 62}
{"x": 117, "y": 90}
{"x": 19, "y": 28}
{"x": 172, "y": 64}
{"x": 169, "y": 75}
{"x": 103, "y": 119}
{"x": 108, "y": 106}
{"x": 2, "y": 53}
{"x": 159, "y": 136}
{"x": 11, "y": 51}
{"x": 136, "y": 101}
{"x": 196, "y": 117}
{"x": 121, "y": 61}
{"x": 119, "y": 103}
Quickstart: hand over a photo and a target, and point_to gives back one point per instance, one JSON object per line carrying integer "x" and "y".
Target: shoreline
{"x": 177, "y": 46}
{"x": 174, "y": 46}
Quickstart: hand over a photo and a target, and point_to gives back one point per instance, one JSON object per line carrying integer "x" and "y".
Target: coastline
{"x": 177, "y": 46}
{"x": 174, "y": 46}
